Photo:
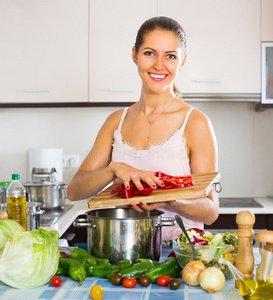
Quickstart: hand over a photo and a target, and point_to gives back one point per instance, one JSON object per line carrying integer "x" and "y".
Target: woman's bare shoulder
{"x": 114, "y": 118}
{"x": 198, "y": 120}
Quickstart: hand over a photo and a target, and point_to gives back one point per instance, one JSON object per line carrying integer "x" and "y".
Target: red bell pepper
{"x": 169, "y": 181}
{"x": 174, "y": 181}
{"x": 125, "y": 194}
{"x": 117, "y": 189}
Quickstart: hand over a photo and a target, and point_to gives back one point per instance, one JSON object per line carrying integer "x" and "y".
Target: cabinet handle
{"x": 208, "y": 81}
{"x": 121, "y": 90}
{"x": 36, "y": 91}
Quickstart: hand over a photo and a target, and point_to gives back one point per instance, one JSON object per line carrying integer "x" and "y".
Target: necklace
{"x": 152, "y": 121}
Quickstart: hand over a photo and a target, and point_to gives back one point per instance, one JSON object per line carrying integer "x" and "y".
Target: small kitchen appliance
{"x": 46, "y": 159}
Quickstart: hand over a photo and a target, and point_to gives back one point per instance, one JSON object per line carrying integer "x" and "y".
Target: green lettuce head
{"x": 30, "y": 258}
{"x": 7, "y": 229}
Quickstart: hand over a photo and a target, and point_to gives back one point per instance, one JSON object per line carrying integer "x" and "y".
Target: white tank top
{"x": 169, "y": 157}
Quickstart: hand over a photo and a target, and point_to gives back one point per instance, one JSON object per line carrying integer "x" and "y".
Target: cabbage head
{"x": 7, "y": 229}
{"x": 30, "y": 258}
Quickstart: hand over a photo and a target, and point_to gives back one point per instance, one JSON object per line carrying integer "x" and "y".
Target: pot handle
{"x": 83, "y": 223}
{"x": 38, "y": 212}
{"x": 167, "y": 222}
{"x": 63, "y": 191}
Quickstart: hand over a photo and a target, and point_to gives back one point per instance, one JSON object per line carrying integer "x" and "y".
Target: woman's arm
{"x": 96, "y": 171}
{"x": 203, "y": 154}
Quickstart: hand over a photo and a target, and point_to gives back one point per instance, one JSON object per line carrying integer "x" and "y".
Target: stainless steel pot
{"x": 50, "y": 194}
{"x": 120, "y": 233}
{"x": 33, "y": 215}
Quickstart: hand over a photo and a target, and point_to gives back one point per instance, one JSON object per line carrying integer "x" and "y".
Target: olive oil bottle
{"x": 16, "y": 200}
{"x": 262, "y": 288}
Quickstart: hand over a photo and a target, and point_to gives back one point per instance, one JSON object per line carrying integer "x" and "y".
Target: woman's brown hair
{"x": 164, "y": 23}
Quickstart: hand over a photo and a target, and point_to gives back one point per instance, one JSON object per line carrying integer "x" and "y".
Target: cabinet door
{"x": 113, "y": 29}
{"x": 267, "y": 20}
{"x": 223, "y": 44}
{"x": 44, "y": 51}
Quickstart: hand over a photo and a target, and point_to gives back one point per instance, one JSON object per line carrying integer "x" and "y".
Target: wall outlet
{"x": 71, "y": 160}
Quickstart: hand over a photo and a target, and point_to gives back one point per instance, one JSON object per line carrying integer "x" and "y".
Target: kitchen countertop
{"x": 70, "y": 290}
{"x": 81, "y": 207}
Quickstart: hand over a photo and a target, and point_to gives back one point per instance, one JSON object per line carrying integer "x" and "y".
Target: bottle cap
{"x": 15, "y": 176}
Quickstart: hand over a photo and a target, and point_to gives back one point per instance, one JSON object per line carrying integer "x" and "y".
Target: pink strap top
{"x": 169, "y": 156}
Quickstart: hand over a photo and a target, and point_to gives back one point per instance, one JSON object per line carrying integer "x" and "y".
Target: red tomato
{"x": 129, "y": 282}
{"x": 163, "y": 280}
{"x": 56, "y": 281}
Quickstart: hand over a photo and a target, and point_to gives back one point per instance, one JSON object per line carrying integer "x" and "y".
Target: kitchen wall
{"x": 245, "y": 141}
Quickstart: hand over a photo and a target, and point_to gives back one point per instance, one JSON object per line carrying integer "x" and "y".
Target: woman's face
{"x": 159, "y": 60}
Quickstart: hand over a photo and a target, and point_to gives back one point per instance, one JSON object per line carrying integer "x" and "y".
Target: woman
{"x": 160, "y": 132}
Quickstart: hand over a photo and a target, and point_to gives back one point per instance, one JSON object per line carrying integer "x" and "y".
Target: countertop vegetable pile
{"x": 29, "y": 258}
{"x": 170, "y": 182}
{"x": 143, "y": 271}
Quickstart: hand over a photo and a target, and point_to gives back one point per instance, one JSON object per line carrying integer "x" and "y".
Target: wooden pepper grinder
{"x": 264, "y": 237}
{"x": 245, "y": 257}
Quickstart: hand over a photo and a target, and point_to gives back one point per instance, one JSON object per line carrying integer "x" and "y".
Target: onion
{"x": 212, "y": 280}
{"x": 3, "y": 215}
{"x": 191, "y": 272}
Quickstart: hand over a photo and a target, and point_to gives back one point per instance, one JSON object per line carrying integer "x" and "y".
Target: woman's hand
{"x": 143, "y": 206}
{"x": 126, "y": 173}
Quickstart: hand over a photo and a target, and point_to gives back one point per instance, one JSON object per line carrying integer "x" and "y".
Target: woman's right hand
{"x": 126, "y": 173}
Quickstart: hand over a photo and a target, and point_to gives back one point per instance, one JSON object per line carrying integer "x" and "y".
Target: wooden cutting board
{"x": 203, "y": 184}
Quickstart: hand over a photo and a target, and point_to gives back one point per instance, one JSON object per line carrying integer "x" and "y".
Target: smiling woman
{"x": 159, "y": 59}
{"x": 160, "y": 132}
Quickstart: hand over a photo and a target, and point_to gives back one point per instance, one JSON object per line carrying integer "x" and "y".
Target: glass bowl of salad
{"x": 210, "y": 247}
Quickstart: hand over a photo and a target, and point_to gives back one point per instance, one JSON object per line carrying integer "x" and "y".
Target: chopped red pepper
{"x": 169, "y": 181}
{"x": 125, "y": 194}
{"x": 117, "y": 189}
{"x": 145, "y": 192}
{"x": 174, "y": 181}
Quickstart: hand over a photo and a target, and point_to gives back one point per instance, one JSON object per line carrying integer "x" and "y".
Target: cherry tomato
{"x": 116, "y": 279}
{"x": 163, "y": 280}
{"x": 144, "y": 280}
{"x": 96, "y": 292}
{"x": 174, "y": 284}
{"x": 56, "y": 281}
{"x": 129, "y": 282}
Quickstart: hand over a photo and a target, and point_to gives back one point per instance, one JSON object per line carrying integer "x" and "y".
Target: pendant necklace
{"x": 152, "y": 121}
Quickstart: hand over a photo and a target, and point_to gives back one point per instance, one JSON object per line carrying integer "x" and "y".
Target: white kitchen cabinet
{"x": 223, "y": 44}
{"x": 267, "y": 20}
{"x": 44, "y": 51}
{"x": 113, "y": 28}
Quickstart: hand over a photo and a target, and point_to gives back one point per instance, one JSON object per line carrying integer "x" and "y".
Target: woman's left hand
{"x": 151, "y": 206}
